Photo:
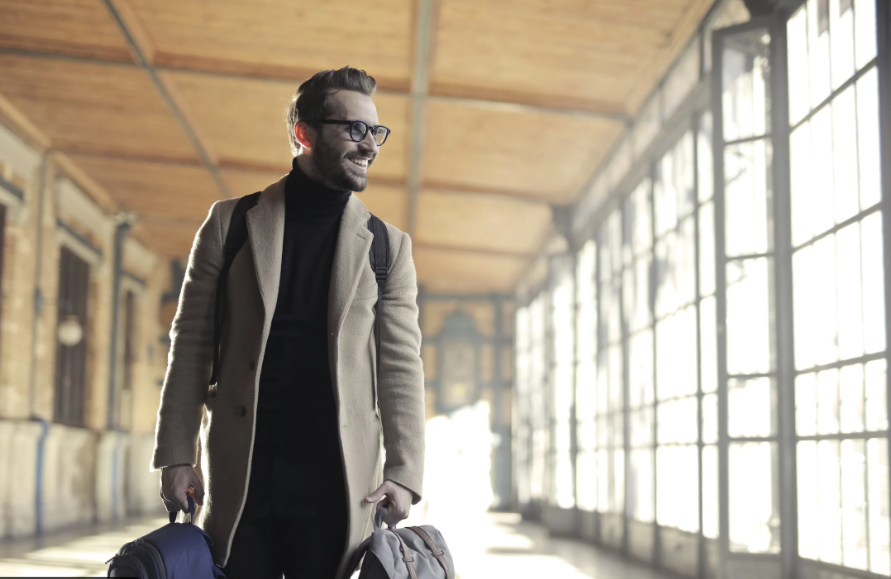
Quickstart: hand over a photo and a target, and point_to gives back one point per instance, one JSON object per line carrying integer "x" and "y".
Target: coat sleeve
{"x": 191, "y": 351}
{"x": 401, "y": 387}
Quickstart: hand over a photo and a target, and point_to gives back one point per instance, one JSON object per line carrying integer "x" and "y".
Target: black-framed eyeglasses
{"x": 359, "y": 129}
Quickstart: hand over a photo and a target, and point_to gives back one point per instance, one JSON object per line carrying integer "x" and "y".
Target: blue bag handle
{"x": 172, "y": 515}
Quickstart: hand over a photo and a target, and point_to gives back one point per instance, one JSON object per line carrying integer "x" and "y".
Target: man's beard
{"x": 330, "y": 166}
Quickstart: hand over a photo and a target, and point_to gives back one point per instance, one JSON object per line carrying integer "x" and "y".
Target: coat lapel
{"x": 350, "y": 256}
{"x": 266, "y": 230}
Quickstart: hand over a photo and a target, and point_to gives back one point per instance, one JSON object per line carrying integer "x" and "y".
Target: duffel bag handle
{"x": 379, "y": 515}
{"x": 172, "y": 514}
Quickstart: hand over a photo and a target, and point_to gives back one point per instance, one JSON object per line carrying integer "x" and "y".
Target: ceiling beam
{"x": 419, "y": 83}
{"x": 271, "y": 168}
{"x": 175, "y": 108}
{"x": 480, "y": 251}
{"x": 517, "y": 105}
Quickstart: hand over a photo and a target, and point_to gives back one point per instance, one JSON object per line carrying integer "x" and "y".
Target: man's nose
{"x": 368, "y": 144}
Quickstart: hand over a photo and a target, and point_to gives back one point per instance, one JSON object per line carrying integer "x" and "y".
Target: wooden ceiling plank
{"x": 169, "y": 84}
{"x": 545, "y": 156}
{"x": 75, "y": 27}
{"x": 22, "y": 124}
{"x": 659, "y": 64}
{"x": 171, "y": 103}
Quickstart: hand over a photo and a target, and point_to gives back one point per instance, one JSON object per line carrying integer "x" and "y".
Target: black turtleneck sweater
{"x": 296, "y": 396}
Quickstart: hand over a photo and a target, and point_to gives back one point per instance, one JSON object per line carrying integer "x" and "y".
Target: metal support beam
{"x": 424, "y": 16}
{"x": 784, "y": 331}
{"x": 120, "y": 234}
{"x": 883, "y": 19}
{"x": 169, "y": 100}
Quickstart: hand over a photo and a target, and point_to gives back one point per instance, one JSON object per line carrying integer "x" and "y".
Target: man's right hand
{"x": 175, "y": 484}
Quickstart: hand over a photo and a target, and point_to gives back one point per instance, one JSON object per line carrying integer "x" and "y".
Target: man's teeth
{"x": 360, "y": 162}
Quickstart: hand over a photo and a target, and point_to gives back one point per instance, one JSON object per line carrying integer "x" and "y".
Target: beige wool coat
{"x": 366, "y": 411}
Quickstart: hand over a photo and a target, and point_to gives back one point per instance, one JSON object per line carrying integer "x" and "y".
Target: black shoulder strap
{"x": 380, "y": 263}
{"x": 235, "y": 239}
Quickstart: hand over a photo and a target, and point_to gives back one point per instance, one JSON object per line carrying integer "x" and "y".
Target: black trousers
{"x": 295, "y": 518}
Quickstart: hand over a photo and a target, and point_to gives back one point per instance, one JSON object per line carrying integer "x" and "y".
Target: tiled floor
{"x": 490, "y": 545}
{"x": 76, "y": 553}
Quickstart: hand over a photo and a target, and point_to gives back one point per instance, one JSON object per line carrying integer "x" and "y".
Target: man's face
{"x": 341, "y": 162}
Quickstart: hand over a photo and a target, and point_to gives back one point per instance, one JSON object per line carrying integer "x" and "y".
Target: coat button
{"x": 253, "y": 365}
{"x": 242, "y": 410}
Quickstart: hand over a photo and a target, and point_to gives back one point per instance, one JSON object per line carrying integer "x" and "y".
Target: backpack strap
{"x": 434, "y": 550}
{"x": 380, "y": 263}
{"x": 407, "y": 557}
{"x": 235, "y": 239}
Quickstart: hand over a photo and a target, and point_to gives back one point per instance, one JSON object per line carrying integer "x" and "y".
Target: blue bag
{"x": 175, "y": 551}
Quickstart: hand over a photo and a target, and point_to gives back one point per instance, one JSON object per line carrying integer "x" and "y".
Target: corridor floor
{"x": 491, "y": 545}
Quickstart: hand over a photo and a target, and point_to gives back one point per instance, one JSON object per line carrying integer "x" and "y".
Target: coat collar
{"x": 266, "y": 230}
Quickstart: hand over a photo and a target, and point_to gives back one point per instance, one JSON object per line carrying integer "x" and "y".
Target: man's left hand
{"x": 396, "y": 498}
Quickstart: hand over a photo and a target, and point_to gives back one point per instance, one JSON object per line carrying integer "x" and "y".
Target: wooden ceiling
{"x": 165, "y": 106}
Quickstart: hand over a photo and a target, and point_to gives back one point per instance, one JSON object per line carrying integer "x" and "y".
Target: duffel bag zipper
{"x": 139, "y": 564}
{"x": 156, "y": 555}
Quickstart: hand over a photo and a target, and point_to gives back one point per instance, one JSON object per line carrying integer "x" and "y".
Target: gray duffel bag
{"x": 409, "y": 553}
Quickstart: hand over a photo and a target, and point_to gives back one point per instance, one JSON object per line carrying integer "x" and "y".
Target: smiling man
{"x": 290, "y": 440}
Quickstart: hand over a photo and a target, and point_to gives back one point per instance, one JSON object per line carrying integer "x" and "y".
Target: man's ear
{"x": 302, "y": 133}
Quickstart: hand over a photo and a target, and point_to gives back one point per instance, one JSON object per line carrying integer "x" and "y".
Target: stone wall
{"x": 54, "y": 476}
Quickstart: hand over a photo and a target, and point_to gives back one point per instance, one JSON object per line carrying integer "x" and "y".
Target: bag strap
{"x": 380, "y": 263}
{"x": 172, "y": 515}
{"x": 235, "y": 239}
{"x": 436, "y": 551}
{"x": 406, "y": 556}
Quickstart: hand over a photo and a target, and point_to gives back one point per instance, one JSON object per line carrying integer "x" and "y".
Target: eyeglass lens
{"x": 358, "y": 130}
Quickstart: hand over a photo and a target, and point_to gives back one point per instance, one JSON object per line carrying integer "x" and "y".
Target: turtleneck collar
{"x": 310, "y": 200}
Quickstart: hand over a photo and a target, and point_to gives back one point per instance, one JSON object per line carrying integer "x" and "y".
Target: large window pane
{"x": 796, "y": 31}
{"x": 844, "y": 149}
{"x": 815, "y": 304}
{"x": 849, "y": 292}
{"x": 754, "y": 518}
{"x": 841, "y": 27}
{"x": 873, "y": 283}
{"x": 748, "y": 317}
{"x": 586, "y": 481}
{"x": 562, "y": 300}
{"x": 640, "y": 503}
{"x": 705, "y": 165}
{"x": 678, "y": 487}
{"x": 747, "y": 168}
{"x": 876, "y": 396}
{"x": 751, "y": 411}
{"x": 707, "y": 249}
{"x": 864, "y": 31}
{"x": 868, "y": 149}
{"x": 829, "y": 501}
{"x": 677, "y": 421}
{"x": 710, "y": 492}
{"x": 676, "y": 355}
{"x": 746, "y": 87}
{"x": 640, "y": 356}
{"x": 808, "y": 505}
{"x": 853, "y": 499}
{"x": 708, "y": 327}
{"x": 879, "y": 507}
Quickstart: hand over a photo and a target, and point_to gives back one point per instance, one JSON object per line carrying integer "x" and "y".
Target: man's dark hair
{"x": 312, "y": 101}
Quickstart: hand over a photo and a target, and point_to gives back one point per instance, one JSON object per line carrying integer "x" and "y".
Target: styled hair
{"x": 312, "y": 101}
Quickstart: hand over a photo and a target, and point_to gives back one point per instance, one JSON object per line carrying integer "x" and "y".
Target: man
{"x": 291, "y": 435}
